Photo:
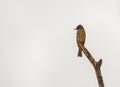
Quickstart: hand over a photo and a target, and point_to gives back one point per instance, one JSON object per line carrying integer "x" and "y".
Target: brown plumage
{"x": 80, "y": 37}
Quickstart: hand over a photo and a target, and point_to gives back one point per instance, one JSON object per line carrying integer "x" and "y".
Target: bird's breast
{"x": 81, "y": 35}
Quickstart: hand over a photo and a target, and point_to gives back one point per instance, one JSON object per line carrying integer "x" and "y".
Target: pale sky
{"x": 38, "y": 44}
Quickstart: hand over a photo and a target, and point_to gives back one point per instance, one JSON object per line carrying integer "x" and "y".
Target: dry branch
{"x": 95, "y": 64}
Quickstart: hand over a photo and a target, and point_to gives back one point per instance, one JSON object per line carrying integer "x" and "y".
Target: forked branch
{"x": 95, "y": 64}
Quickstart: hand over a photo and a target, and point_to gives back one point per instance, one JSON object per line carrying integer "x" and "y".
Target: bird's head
{"x": 79, "y": 27}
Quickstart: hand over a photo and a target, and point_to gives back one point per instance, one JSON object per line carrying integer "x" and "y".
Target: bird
{"x": 80, "y": 38}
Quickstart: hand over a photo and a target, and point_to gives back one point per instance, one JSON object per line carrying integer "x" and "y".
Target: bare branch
{"x": 95, "y": 64}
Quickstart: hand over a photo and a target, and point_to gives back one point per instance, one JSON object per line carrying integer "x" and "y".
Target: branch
{"x": 95, "y": 64}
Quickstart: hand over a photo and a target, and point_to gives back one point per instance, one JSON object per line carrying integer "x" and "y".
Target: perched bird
{"x": 80, "y": 37}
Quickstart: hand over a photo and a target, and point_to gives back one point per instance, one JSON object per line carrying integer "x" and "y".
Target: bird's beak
{"x": 75, "y": 29}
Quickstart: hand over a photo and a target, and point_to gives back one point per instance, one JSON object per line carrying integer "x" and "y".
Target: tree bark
{"x": 96, "y": 65}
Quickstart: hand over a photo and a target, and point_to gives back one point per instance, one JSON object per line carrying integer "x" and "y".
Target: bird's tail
{"x": 79, "y": 53}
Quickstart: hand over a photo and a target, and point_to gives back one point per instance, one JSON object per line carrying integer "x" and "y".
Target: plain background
{"x": 38, "y": 44}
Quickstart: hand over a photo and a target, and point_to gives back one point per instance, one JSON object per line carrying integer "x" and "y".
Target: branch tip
{"x": 99, "y": 63}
